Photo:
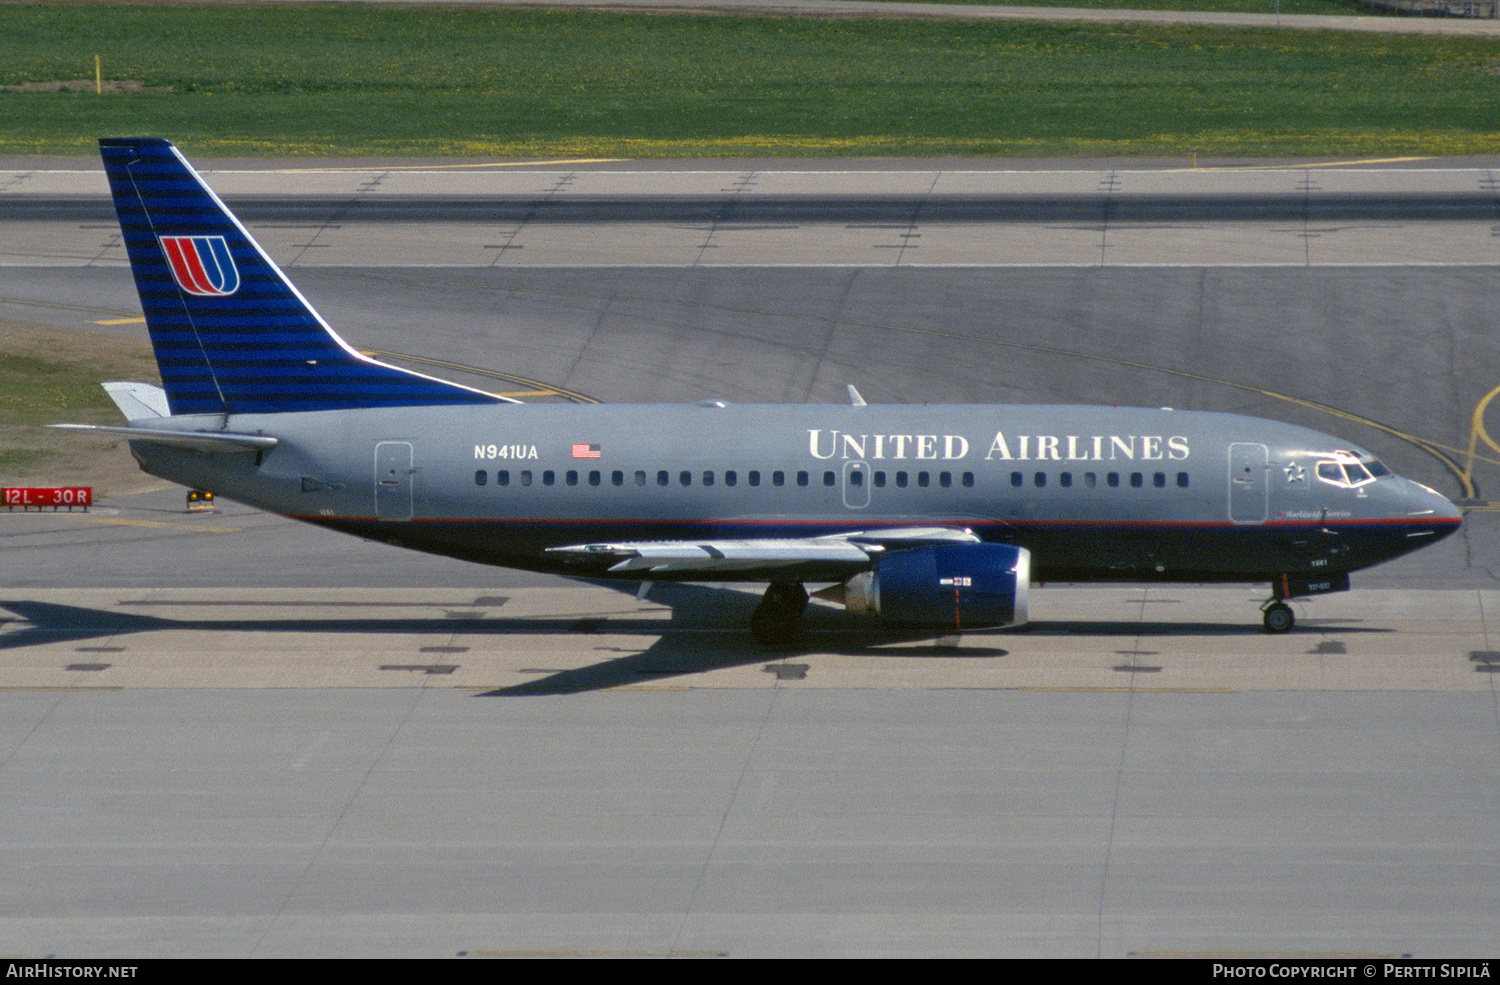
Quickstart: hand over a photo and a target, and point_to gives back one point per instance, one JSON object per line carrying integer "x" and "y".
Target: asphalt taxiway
{"x": 229, "y": 734}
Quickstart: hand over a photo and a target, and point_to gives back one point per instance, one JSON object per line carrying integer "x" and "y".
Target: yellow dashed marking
{"x": 162, "y": 524}
{"x": 456, "y": 167}
{"x": 1299, "y": 167}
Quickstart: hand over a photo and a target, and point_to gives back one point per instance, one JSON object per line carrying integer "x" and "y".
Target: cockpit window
{"x": 1348, "y": 472}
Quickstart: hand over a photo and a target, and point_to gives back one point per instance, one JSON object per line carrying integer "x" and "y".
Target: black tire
{"x": 790, "y": 597}
{"x": 774, "y": 621}
{"x": 1279, "y": 618}
{"x": 773, "y": 629}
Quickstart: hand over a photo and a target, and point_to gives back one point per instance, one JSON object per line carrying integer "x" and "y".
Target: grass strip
{"x": 51, "y": 375}
{"x": 1334, "y": 8}
{"x": 340, "y": 79}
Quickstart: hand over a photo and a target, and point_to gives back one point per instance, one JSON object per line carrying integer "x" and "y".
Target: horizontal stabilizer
{"x": 207, "y": 441}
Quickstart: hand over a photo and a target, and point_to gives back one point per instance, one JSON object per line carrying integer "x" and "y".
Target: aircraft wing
{"x": 838, "y": 554}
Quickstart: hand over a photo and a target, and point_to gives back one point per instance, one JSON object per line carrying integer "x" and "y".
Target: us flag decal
{"x": 586, "y": 451}
{"x": 201, "y": 265}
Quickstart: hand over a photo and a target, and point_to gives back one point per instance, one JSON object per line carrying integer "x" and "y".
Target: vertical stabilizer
{"x": 231, "y": 333}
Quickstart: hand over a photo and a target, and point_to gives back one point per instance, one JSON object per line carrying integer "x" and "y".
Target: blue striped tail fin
{"x": 231, "y": 333}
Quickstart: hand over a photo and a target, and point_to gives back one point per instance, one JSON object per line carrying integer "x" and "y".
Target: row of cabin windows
{"x": 1112, "y": 480}
{"x": 753, "y": 477}
{"x": 708, "y": 477}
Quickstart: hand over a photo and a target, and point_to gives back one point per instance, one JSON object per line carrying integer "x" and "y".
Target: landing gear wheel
{"x": 1279, "y": 618}
{"x": 774, "y": 621}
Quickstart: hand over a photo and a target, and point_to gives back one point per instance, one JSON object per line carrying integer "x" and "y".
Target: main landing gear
{"x": 774, "y": 621}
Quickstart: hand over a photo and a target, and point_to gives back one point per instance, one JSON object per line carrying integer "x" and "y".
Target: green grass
{"x": 1339, "y": 8}
{"x": 337, "y": 79}
{"x": 62, "y": 384}
{"x": 36, "y": 391}
{"x": 20, "y": 460}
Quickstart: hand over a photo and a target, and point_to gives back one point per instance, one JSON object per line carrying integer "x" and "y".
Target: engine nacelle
{"x": 951, "y": 587}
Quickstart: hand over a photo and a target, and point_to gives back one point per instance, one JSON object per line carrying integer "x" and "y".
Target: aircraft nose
{"x": 1428, "y": 503}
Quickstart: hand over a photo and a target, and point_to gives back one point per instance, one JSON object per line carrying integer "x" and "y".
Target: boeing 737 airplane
{"x": 933, "y": 518}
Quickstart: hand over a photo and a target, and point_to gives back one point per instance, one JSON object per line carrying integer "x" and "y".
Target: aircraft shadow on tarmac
{"x": 699, "y": 628}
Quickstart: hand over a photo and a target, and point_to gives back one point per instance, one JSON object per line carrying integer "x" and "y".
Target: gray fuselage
{"x": 1094, "y": 493}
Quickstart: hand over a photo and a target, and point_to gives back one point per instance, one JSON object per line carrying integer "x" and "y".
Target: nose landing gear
{"x": 1277, "y": 616}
